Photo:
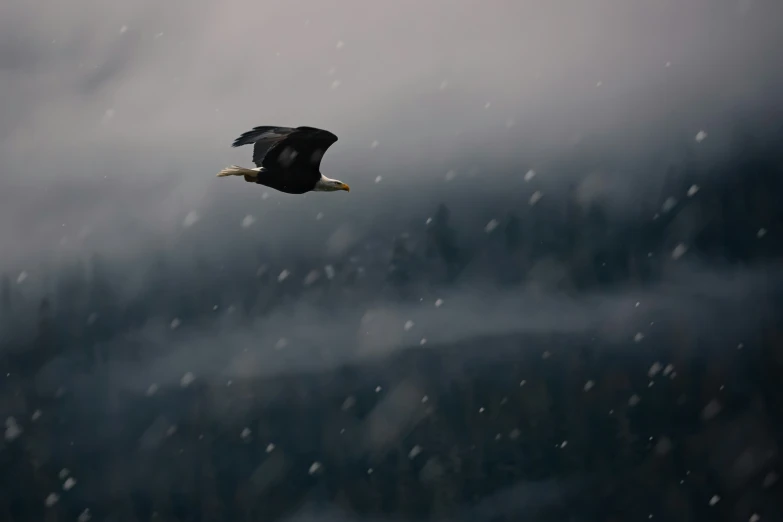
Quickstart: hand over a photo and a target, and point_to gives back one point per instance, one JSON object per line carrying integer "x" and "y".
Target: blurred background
{"x": 553, "y": 293}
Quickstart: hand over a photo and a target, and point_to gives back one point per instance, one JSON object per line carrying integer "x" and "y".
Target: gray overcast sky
{"x": 116, "y": 115}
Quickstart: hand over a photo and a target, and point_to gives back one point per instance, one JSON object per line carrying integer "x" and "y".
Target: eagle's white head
{"x": 329, "y": 185}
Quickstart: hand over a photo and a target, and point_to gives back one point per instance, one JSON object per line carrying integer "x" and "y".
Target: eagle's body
{"x": 287, "y": 159}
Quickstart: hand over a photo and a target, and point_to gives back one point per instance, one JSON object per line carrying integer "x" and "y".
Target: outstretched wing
{"x": 286, "y": 147}
{"x": 301, "y": 149}
{"x": 264, "y": 138}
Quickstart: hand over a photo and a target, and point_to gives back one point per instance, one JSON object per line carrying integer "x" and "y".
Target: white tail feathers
{"x": 236, "y": 170}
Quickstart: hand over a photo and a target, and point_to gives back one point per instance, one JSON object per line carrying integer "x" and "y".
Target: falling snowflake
{"x": 423, "y": 341}
{"x": 654, "y": 369}
{"x": 634, "y": 400}
{"x": 64, "y": 473}
{"x": 450, "y": 175}
{"x": 589, "y": 385}
{"x": 563, "y": 444}
{"x": 429, "y": 220}
{"x": 638, "y": 337}
{"x": 416, "y": 450}
{"x": 378, "y": 389}
{"x": 761, "y": 233}
{"x": 12, "y": 429}
{"x": 21, "y": 278}
{"x": 270, "y": 448}
{"x": 669, "y": 204}
{"x": 599, "y": 83}
{"x": 123, "y": 29}
{"x": 36, "y": 415}
{"x": 754, "y": 518}
{"x": 522, "y": 383}
{"x": 315, "y": 467}
{"x": 408, "y": 325}
{"x": 348, "y": 403}
{"x": 191, "y": 219}
{"x": 663, "y": 446}
{"x": 69, "y": 483}
{"x": 51, "y": 500}
{"x": 443, "y": 85}
{"x": 679, "y": 251}
{"x": 374, "y": 144}
{"x": 438, "y": 303}
{"x": 92, "y": 318}
{"x": 339, "y": 44}
{"x": 248, "y": 221}
{"x": 329, "y": 271}
{"x": 668, "y": 64}
{"x": 492, "y": 225}
{"x": 669, "y": 369}
{"x": 245, "y": 434}
{"x": 152, "y": 390}
{"x": 186, "y": 380}
{"x": 312, "y": 277}
{"x": 701, "y": 136}
{"x": 335, "y": 84}
{"x": 281, "y": 343}
{"x": 378, "y": 179}
{"x": 535, "y": 197}
{"x": 84, "y": 516}
{"x": 530, "y": 174}
{"x": 711, "y": 410}
{"x": 510, "y": 122}
{"x": 714, "y": 500}
{"x": 693, "y": 190}
{"x": 282, "y": 276}
{"x": 175, "y": 323}
{"x": 487, "y": 105}
{"x": 424, "y": 399}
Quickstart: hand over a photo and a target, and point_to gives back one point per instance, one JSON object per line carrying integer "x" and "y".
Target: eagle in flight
{"x": 287, "y": 159}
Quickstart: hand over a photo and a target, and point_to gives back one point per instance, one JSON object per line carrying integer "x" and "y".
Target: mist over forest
{"x": 553, "y": 292}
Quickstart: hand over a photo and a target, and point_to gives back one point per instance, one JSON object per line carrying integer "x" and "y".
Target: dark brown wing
{"x": 301, "y": 150}
{"x": 265, "y": 138}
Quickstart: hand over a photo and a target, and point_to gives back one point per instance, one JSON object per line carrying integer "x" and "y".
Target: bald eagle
{"x": 287, "y": 159}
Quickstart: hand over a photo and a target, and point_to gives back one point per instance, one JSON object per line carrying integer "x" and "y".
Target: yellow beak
{"x": 345, "y": 187}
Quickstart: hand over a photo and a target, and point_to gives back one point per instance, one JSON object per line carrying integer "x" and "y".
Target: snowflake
{"x": 536, "y": 197}
{"x": 187, "y": 379}
{"x": 679, "y": 251}
{"x": 191, "y": 219}
{"x": 492, "y": 225}
{"x": 248, "y": 221}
